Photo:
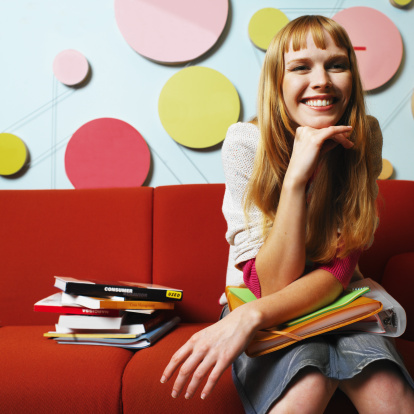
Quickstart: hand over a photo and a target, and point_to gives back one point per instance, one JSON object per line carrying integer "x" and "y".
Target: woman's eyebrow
{"x": 338, "y": 56}
{"x": 304, "y": 59}
{"x": 298, "y": 60}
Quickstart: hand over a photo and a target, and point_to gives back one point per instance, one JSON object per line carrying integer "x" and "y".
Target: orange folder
{"x": 281, "y": 336}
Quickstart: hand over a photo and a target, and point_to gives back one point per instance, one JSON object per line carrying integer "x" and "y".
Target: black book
{"x": 130, "y": 290}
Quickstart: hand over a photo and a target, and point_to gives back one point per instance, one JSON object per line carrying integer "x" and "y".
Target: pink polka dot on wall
{"x": 377, "y": 42}
{"x": 106, "y": 153}
{"x": 70, "y": 67}
{"x": 171, "y": 31}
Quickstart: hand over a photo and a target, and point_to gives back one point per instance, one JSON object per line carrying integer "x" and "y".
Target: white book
{"x": 134, "y": 329}
{"x": 86, "y": 301}
{"x": 90, "y": 322}
{"x": 143, "y": 311}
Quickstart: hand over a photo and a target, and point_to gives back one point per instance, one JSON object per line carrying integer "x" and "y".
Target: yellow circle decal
{"x": 197, "y": 105}
{"x": 387, "y": 170}
{"x": 400, "y": 3}
{"x": 13, "y": 154}
{"x": 264, "y": 25}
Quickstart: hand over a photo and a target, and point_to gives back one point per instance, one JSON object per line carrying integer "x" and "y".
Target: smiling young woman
{"x": 300, "y": 207}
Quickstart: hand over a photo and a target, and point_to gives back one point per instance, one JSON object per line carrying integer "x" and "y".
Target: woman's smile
{"x": 319, "y": 101}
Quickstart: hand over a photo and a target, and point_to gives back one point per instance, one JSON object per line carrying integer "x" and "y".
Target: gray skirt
{"x": 260, "y": 381}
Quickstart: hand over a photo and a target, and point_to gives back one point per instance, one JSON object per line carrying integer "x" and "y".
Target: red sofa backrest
{"x": 395, "y": 234}
{"x": 172, "y": 235}
{"x": 81, "y": 233}
{"x": 190, "y": 250}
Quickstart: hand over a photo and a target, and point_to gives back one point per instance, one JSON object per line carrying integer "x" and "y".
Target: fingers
{"x": 177, "y": 359}
{"x": 194, "y": 364}
{"x": 209, "y": 352}
{"x": 337, "y": 133}
{"x": 200, "y": 374}
{"x": 197, "y": 366}
{"x": 215, "y": 375}
{"x": 343, "y": 139}
{"x": 195, "y": 361}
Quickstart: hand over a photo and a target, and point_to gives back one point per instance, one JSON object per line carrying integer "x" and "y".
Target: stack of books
{"x": 122, "y": 314}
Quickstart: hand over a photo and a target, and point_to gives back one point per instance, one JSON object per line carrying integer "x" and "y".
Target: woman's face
{"x": 317, "y": 84}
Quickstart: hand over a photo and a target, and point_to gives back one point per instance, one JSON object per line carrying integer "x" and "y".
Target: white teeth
{"x": 319, "y": 102}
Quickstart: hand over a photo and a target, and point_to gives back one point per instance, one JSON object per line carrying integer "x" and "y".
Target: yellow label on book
{"x": 173, "y": 294}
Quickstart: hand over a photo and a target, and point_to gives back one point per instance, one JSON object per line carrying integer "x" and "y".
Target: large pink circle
{"x": 70, "y": 67}
{"x": 377, "y": 42}
{"x": 106, "y": 153}
{"x": 171, "y": 31}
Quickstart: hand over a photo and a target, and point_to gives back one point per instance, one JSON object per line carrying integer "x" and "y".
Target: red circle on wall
{"x": 105, "y": 153}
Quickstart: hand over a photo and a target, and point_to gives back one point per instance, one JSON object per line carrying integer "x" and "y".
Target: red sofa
{"x": 172, "y": 235}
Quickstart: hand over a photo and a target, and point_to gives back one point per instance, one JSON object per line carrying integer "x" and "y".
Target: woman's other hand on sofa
{"x": 211, "y": 350}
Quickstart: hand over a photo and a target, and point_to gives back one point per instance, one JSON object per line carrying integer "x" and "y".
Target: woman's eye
{"x": 340, "y": 66}
{"x": 300, "y": 68}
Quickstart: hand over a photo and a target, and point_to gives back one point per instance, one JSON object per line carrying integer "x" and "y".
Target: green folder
{"x": 243, "y": 293}
{"x": 347, "y": 297}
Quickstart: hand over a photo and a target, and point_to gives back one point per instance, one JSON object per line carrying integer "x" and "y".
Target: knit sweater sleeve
{"x": 238, "y": 153}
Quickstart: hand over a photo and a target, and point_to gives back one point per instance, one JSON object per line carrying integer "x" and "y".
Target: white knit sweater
{"x": 238, "y": 153}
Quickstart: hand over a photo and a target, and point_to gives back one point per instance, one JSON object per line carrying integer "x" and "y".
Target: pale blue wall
{"x": 125, "y": 85}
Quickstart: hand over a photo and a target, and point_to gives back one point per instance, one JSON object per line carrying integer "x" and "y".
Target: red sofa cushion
{"x": 142, "y": 391}
{"x": 40, "y": 376}
{"x": 102, "y": 234}
{"x": 190, "y": 249}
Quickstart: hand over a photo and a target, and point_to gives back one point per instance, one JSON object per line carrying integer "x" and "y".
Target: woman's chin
{"x": 320, "y": 124}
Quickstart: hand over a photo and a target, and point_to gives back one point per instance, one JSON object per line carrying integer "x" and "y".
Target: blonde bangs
{"x": 317, "y": 26}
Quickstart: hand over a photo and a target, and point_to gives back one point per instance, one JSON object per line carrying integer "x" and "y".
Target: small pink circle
{"x": 105, "y": 153}
{"x": 171, "y": 31}
{"x": 70, "y": 67}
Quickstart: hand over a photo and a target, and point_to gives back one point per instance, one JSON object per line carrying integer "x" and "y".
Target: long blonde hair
{"x": 342, "y": 193}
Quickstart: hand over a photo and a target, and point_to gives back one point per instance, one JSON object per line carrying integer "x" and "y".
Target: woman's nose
{"x": 321, "y": 79}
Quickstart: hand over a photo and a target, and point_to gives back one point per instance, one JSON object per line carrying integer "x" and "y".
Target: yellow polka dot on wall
{"x": 13, "y": 154}
{"x": 387, "y": 170}
{"x": 197, "y": 105}
{"x": 264, "y": 25}
{"x": 400, "y": 3}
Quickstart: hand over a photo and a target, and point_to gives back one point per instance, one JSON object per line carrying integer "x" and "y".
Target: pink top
{"x": 341, "y": 269}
